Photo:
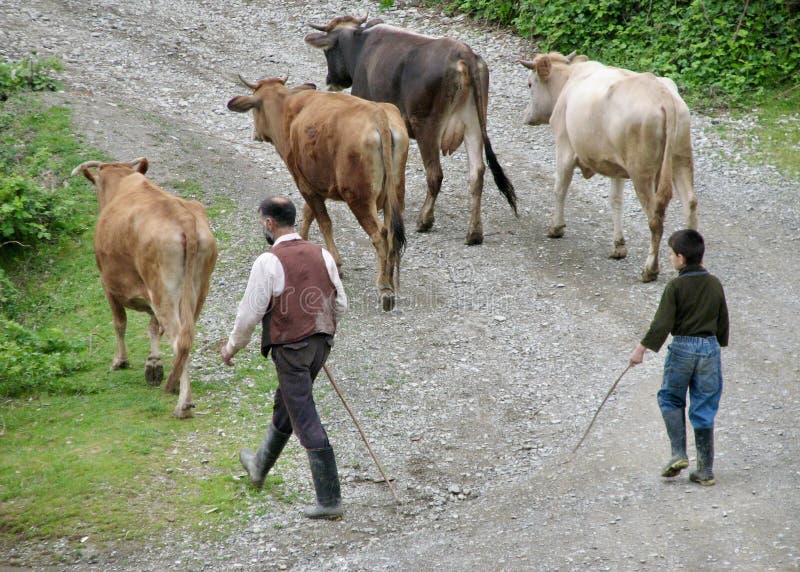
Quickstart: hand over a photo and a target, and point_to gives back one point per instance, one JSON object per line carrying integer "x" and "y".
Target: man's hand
{"x": 226, "y": 355}
{"x": 637, "y": 355}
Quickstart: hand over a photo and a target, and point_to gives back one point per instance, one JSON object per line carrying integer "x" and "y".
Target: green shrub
{"x": 28, "y": 75}
{"x": 36, "y": 360}
{"x": 720, "y": 52}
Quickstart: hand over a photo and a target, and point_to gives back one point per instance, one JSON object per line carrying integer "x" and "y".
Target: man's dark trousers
{"x": 297, "y": 365}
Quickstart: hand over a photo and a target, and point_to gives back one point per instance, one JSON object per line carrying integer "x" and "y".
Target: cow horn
{"x": 246, "y": 83}
{"x": 528, "y": 64}
{"x": 571, "y": 55}
{"x": 318, "y": 27}
{"x": 133, "y": 163}
{"x": 86, "y": 165}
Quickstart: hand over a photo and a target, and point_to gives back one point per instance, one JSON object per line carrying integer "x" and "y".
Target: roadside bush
{"x": 720, "y": 52}
{"x": 28, "y": 75}
{"x": 37, "y": 360}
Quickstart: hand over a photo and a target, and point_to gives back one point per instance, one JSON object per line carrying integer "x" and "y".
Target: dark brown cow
{"x": 155, "y": 252}
{"x": 338, "y": 147}
{"x": 440, "y": 86}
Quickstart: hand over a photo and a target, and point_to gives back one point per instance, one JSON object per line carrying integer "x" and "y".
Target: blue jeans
{"x": 693, "y": 364}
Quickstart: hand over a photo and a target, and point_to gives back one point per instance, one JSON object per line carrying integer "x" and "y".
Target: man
{"x": 295, "y": 291}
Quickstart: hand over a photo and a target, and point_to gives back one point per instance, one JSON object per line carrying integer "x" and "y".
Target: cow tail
{"x": 393, "y": 210}
{"x": 186, "y": 307}
{"x": 501, "y": 180}
{"x": 664, "y": 188}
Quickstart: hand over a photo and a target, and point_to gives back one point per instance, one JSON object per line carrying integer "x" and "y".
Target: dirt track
{"x": 485, "y": 378}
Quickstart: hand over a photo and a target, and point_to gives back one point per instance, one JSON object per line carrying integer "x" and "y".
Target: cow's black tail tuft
{"x": 503, "y": 183}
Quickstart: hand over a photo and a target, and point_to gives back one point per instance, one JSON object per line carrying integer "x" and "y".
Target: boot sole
{"x": 703, "y": 482}
{"x": 674, "y": 469}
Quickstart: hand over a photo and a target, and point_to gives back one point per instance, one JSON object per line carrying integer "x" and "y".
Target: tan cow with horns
{"x": 620, "y": 124}
{"x": 338, "y": 147}
{"x": 155, "y": 252}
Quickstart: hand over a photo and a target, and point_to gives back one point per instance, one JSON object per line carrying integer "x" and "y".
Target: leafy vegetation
{"x": 720, "y": 52}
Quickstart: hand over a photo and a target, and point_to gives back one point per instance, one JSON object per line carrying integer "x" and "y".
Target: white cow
{"x": 621, "y": 124}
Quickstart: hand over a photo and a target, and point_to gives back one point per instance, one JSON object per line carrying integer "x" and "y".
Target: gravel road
{"x": 476, "y": 389}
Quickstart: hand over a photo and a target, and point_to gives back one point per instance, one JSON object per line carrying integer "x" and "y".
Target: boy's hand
{"x": 637, "y": 355}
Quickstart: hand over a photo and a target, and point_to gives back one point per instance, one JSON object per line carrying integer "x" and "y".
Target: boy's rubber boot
{"x": 326, "y": 485}
{"x": 675, "y": 421}
{"x": 704, "y": 443}
{"x": 258, "y": 463}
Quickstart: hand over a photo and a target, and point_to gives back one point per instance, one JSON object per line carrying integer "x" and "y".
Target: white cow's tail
{"x": 664, "y": 188}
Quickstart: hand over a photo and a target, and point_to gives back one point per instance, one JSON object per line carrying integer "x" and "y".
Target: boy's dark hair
{"x": 279, "y": 209}
{"x": 689, "y": 243}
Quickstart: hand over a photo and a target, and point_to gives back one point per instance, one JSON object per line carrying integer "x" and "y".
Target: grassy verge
{"x": 779, "y": 132}
{"x": 89, "y": 452}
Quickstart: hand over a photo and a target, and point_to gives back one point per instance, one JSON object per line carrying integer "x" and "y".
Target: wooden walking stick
{"x": 361, "y": 431}
{"x": 610, "y": 391}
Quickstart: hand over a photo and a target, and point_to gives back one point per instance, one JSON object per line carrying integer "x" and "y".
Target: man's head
{"x": 277, "y": 217}
{"x": 688, "y": 244}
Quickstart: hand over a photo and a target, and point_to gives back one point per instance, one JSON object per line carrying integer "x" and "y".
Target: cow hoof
{"x": 387, "y": 301}
{"x": 618, "y": 252}
{"x": 556, "y": 231}
{"x": 474, "y": 238}
{"x": 120, "y": 365}
{"x": 649, "y": 275}
{"x": 154, "y": 374}
{"x": 183, "y": 411}
{"x": 423, "y": 226}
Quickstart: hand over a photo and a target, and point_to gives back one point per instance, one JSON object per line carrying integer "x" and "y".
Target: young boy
{"x": 694, "y": 311}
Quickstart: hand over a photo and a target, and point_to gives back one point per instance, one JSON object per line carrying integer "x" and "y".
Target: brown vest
{"x": 306, "y": 305}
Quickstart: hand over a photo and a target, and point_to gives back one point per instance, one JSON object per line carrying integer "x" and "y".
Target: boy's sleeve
{"x": 723, "y": 323}
{"x": 663, "y": 321}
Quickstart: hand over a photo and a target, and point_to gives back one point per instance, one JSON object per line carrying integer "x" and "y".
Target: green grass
{"x": 779, "y": 132}
{"x": 97, "y": 452}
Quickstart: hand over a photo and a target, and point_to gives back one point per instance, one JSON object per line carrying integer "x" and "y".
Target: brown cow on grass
{"x": 343, "y": 148}
{"x": 155, "y": 252}
{"x": 440, "y": 86}
{"x": 620, "y": 124}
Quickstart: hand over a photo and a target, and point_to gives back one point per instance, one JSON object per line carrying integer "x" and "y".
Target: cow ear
{"x": 373, "y": 22}
{"x": 143, "y": 164}
{"x": 581, "y": 58}
{"x": 543, "y": 67}
{"x": 320, "y": 40}
{"x": 242, "y": 103}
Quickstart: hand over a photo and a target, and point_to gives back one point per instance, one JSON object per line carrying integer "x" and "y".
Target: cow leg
{"x": 565, "y": 166}
{"x": 433, "y": 175}
{"x": 655, "y": 207}
{"x": 683, "y": 181}
{"x": 473, "y": 141}
{"x": 120, "y": 324}
{"x": 368, "y": 219}
{"x": 320, "y": 213}
{"x": 154, "y": 369}
{"x": 308, "y": 218}
{"x": 618, "y": 248}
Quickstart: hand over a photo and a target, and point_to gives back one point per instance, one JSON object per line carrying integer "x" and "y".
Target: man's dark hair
{"x": 689, "y": 243}
{"x": 279, "y": 209}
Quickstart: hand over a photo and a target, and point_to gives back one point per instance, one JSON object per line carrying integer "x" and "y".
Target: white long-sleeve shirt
{"x": 267, "y": 279}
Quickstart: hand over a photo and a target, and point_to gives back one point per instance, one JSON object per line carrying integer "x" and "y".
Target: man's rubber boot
{"x": 704, "y": 443}
{"x": 258, "y": 463}
{"x": 326, "y": 484}
{"x": 675, "y": 422}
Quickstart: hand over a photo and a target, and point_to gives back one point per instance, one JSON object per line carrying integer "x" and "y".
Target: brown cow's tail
{"x": 501, "y": 180}
{"x": 393, "y": 209}
{"x": 186, "y": 309}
